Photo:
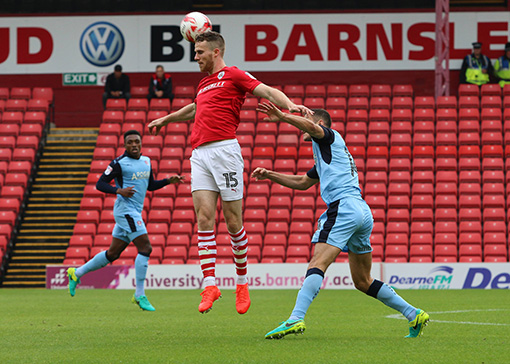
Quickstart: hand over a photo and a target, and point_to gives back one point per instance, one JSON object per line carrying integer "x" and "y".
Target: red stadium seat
{"x": 447, "y": 115}
{"x": 402, "y": 103}
{"x": 184, "y": 91}
{"x": 380, "y": 91}
{"x": 446, "y": 164}
{"x": 104, "y": 154}
{"x": 357, "y": 115}
{"x": 424, "y": 102}
{"x": 179, "y": 103}
{"x": 21, "y": 93}
{"x": 424, "y": 127}
{"x": 116, "y": 105}
{"x": 470, "y": 176}
{"x": 160, "y": 105}
{"x": 109, "y": 129}
{"x": 398, "y": 215}
{"x": 337, "y": 91}
{"x": 494, "y": 126}
{"x": 135, "y": 116}
{"x": 469, "y": 90}
{"x": 469, "y": 126}
{"x": 139, "y": 91}
{"x": 380, "y": 103}
{"x": 469, "y": 114}
{"x": 396, "y": 253}
{"x": 294, "y": 90}
{"x": 23, "y": 154}
{"x": 360, "y": 103}
{"x": 315, "y": 102}
{"x": 446, "y": 102}
{"x": 37, "y": 105}
{"x": 446, "y": 151}
{"x": 298, "y": 251}
{"x": 138, "y": 104}
{"x": 490, "y": 90}
{"x": 113, "y": 116}
{"x": 336, "y": 103}
{"x": 469, "y": 138}
{"x": 359, "y": 91}
{"x": 273, "y": 252}
{"x": 491, "y": 102}
{"x": 35, "y": 117}
{"x": 469, "y": 102}
{"x": 402, "y": 91}
{"x": 43, "y": 93}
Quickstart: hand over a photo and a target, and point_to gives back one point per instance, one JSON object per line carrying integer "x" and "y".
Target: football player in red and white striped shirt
{"x": 216, "y": 161}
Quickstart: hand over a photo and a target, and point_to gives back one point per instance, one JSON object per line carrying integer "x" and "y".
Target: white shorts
{"x": 218, "y": 167}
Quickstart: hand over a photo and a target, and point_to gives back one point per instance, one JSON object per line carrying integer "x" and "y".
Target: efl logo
{"x": 102, "y": 44}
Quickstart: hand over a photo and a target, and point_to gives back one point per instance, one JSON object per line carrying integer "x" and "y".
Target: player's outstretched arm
{"x": 160, "y": 183}
{"x": 302, "y": 123}
{"x": 279, "y": 98}
{"x": 292, "y": 181}
{"x": 185, "y": 113}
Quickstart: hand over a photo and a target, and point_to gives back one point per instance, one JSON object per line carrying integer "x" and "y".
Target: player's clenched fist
{"x": 259, "y": 173}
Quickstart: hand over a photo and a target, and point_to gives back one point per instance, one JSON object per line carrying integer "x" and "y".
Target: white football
{"x": 193, "y": 24}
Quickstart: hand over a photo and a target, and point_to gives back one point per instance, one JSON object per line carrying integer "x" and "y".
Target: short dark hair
{"x": 324, "y": 115}
{"x": 118, "y": 68}
{"x": 132, "y": 132}
{"x": 160, "y": 66}
{"x": 214, "y": 38}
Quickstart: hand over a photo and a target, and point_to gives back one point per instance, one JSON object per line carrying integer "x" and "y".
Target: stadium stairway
{"x": 54, "y": 200}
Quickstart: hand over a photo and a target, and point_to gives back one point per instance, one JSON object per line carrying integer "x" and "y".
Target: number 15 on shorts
{"x": 230, "y": 179}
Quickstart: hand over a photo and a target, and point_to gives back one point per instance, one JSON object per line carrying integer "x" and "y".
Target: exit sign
{"x": 80, "y": 79}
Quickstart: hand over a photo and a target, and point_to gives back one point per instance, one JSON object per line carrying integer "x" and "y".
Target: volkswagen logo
{"x": 102, "y": 44}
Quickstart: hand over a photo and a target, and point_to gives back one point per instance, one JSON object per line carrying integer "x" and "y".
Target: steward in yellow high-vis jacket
{"x": 502, "y": 67}
{"x": 476, "y": 68}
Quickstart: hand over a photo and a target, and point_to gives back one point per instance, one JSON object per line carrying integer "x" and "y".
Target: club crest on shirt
{"x": 139, "y": 222}
{"x": 146, "y": 162}
{"x": 108, "y": 170}
{"x": 221, "y": 74}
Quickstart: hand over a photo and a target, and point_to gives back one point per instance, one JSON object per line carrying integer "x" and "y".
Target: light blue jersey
{"x": 348, "y": 222}
{"x": 334, "y": 167}
{"x": 127, "y": 172}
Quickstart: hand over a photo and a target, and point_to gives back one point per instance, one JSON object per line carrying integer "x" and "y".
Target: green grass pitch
{"x": 103, "y": 326}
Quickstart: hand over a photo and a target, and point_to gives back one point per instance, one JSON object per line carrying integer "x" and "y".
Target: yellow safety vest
{"x": 474, "y": 72}
{"x": 502, "y": 70}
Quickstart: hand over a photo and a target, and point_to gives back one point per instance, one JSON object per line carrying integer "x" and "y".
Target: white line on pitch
{"x": 400, "y": 317}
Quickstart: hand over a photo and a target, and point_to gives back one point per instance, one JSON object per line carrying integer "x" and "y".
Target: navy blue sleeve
{"x": 329, "y": 136}
{"x": 312, "y": 173}
{"x": 112, "y": 171}
{"x": 156, "y": 184}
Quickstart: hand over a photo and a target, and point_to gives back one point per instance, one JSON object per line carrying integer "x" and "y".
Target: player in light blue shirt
{"x": 345, "y": 226}
{"x": 133, "y": 177}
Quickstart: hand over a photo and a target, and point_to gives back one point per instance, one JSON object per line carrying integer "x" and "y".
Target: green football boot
{"x": 143, "y": 302}
{"x": 73, "y": 281}
{"x": 287, "y": 327}
{"x": 416, "y": 326}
